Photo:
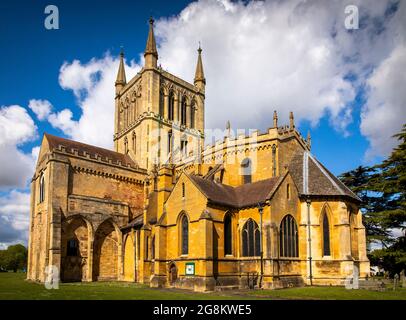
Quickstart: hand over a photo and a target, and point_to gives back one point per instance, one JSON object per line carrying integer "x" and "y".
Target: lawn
{"x": 13, "y": 286}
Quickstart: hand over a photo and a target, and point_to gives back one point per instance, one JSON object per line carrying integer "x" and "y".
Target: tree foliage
{"x": 13, "y": 258}
{"x": 382, "y": 189}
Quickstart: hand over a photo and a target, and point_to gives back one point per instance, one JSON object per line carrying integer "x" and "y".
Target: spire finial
{"x": 151, "y": 53}
{"x": 121, "y": 79}
{"x": 200, "y": 80}
{"x": 309, "y": 139}
{"x": 275, "y": 119}
{"x": 291, "y": 120}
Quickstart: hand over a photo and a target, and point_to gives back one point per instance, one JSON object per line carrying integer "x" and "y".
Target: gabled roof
{"x": 313, "y": 179}
{"x": 246, "y": 195}
{"x": 82, "y": 148}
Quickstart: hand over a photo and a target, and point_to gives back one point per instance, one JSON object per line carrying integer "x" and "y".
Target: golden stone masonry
{"x": 252, "y": 210}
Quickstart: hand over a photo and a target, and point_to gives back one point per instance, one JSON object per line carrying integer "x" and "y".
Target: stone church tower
{"x": 250, "y": 210}
{"x": 159, "y": 118}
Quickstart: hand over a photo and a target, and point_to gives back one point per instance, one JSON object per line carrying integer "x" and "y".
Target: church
{"x": 253, "y": 210}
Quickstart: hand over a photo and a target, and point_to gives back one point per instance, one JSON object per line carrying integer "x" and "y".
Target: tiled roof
{"x": 246, "y": 195}
{"x": 82, "y": 148}
{"x": 313, "y": 179}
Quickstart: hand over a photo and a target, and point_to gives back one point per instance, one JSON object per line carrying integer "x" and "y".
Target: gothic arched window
{"x": 288, "y": 244}
{"x": 326, "y": 235}
{"x": 250, "y": 239}
{"x": 246, "y": 165}
{"x": 227, "y": 235}
{"x": 41, "y": 188}
{"x": 169, "y": 141}
{"x": 171, "y": 105}
{"x": 161, "y": 102}
{"x": 184, "y": 235}
{"x": 183, "y": 112}
{"x": 274, "y": 160}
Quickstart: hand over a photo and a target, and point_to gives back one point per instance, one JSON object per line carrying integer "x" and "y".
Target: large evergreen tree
{"x": 382, "y": 189}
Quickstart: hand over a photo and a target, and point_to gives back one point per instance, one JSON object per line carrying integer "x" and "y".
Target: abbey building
{"x": 250, "y": 210}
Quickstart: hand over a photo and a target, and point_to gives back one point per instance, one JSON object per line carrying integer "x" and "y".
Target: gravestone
{"x": 403, "y": 279}
{"x": 395, "y": 281}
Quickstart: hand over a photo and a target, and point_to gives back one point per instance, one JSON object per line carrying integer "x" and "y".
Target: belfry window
{"x": 41, "y": 188}
{"x": 183, "y": 112}
{"x": 184, "y": 235}
{"x": 246, "y": 170}
{"x": 171, "y": 105}
{"x": 227, "y": 235}
{"x": 274, "y": 161}
{"x": 326, "y": 235}
{"x": 169, "y": 141}
{"x": 72, "y": 249}
{"x": 192, "y": 114}
{"x": 250, "y": 239}
{"x": 288, "y": 244}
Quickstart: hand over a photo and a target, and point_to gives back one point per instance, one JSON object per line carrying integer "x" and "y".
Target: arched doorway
{"x": 105, "y": 261}
{"x": 173, "y": 274}
{"x": 75, "y": 242}
{"x": 129, "y": 259}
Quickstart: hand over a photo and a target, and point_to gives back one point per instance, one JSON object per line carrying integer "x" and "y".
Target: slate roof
{"x": 246, "y": 195}
{"x": 136, "y": 222}
{"x": 70, "y": 145}
{"x": 313, "y": 179}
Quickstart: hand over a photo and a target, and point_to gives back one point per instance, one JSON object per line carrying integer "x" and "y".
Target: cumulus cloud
{"x": 16, "y": 128}
{"x": 285, "y": 55}
{"x": 14, "y": 218}
{"x": 93, "y": 85}
{"x": 41, "y": 108}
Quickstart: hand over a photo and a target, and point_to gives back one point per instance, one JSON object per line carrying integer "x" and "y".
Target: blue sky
{"x": 258, "y": 57}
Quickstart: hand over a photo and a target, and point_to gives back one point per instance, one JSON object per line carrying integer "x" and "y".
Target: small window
{"x": 227, "y": 235}
{"x": 183, "y": 190}
{"x": 125, "y": 145}
{"x": 326, "y": 235}
{"x": 169, "y": 141}
{"x": 274, "y": 160}
{"x": 246, "y": 169}
{"x": 183, "y": 147}
{"x": 185, "y": 235}
{"x": 288, "y": 191}
{"x": 153, "y": 247}
{"x": 42, "y": 188}
{"x": 183, "y": 112}
{"x": 192, "y": 114}
{"x": 72, "y": 248}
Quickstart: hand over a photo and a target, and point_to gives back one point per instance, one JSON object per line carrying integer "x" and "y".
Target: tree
{"x": 14, "y": 258}
{"x": 382, "y": 190}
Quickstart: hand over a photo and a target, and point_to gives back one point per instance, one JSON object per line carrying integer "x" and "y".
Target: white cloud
{"x": 41, "y": 108}
{"x": 16, "y": 128}
{"x": 14, "y": 218}
{"x": 285, "y": 55}
{"x": 93, "y": 85}
{"x": 385, "y": 112}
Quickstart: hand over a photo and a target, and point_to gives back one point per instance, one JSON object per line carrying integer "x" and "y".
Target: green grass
{"x": 330, "y": 293}
{"x": 13, "y": 286}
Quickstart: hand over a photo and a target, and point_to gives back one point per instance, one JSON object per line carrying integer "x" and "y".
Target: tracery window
{"x": 288, "y": 243}
{"x": 250, "y": 239}
{"x": 326, "y": 235}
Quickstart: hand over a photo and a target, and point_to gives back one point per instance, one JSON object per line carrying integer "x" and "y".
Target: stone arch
{"x": 107, "y": 251}
{"x": 129, "y": 258}
{"x": 76, "y": 236}
{"x": 172, "y": 273}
